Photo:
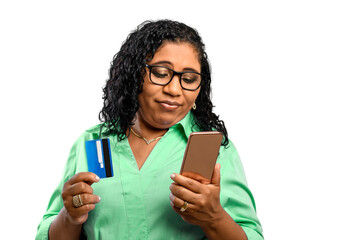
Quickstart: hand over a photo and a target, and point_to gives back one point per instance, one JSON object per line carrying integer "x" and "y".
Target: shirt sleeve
{"x": 56, "y": 203}
{"x": 235, "y": 195}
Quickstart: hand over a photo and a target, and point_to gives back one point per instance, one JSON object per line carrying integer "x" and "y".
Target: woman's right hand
{"x": 80, "y": 183}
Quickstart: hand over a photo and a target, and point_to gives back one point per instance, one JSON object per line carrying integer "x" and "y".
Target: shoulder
{"x": 231, "y": 164}
{"x": 229, "y": 158}
{"x": 92, "y": 132}
{"x": 89, "y": 134}
{"x": 228, "y": 151}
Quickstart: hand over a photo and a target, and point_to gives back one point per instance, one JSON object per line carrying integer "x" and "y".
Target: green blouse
{"x": 135, "y": 203}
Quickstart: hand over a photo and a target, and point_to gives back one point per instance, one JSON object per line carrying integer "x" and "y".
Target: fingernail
{"x": 172, "y": 176}
{"x": 99, "y": 198}
{"x": 97, "y": 177}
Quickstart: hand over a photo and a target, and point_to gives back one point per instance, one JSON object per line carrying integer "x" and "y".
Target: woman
{"x": 157, "y": 94}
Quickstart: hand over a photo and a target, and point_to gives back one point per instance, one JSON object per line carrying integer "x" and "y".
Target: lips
{"x": 169, "y": 105}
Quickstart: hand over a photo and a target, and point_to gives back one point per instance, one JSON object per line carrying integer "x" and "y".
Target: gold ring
{"x": 184, "y": 207}
{"x": 77, "y": 201}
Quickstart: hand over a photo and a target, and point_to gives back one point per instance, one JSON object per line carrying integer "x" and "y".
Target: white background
{"x": 285, "y": 81}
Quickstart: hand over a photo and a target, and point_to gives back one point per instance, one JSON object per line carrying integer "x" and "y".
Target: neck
{"x": 147, "y": 131}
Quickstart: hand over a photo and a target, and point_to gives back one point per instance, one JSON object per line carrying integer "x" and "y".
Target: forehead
{"x": 180, "y": 55}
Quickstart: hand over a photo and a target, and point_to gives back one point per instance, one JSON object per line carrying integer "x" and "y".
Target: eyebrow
{"x": 169, "y": 63}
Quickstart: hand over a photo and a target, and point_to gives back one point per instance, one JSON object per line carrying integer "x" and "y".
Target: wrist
{"x": 67, "y": 219}
{"x": 216, "y": 221}
{"x": 223, "y": 227}
{"x": 63, "y": 228}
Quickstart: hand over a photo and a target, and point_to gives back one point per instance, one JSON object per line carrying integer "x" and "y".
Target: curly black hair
{"x": 126, "y": 77}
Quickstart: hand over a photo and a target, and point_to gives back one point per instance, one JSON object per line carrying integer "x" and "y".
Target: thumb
{"x": 216, "y": 175}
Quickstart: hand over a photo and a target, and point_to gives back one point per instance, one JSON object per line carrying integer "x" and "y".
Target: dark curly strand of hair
{"x": 126, "y": 76}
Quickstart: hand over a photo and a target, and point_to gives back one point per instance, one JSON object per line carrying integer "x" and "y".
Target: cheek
{"x": 147, "y": 92}
{"x": 144, "y": 100}
{"x": 147, "y": 97}
{"x": 190, "y": 98}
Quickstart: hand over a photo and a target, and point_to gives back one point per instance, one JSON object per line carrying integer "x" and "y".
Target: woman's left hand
{"x": 203, "y": 199}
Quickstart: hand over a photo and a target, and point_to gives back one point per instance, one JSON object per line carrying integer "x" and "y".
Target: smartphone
{"x": 201, "y": 152}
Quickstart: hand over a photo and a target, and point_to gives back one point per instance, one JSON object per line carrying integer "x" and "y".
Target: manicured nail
{"x": 172, "y": 176}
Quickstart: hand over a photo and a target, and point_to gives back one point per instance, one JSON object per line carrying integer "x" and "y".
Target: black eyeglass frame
{"x": 174, "y": 73}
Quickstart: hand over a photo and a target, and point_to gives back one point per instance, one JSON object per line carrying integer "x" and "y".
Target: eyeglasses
{"x": 161, "y": 75}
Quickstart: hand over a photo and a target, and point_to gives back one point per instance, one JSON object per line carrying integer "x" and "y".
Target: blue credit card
{"x": 99, "y": 157}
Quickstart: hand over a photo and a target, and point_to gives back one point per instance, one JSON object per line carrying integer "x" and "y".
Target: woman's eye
{"x": 190, "y": 78}
{"x": 160, "y": 74}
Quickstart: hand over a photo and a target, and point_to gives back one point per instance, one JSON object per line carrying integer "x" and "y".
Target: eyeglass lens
{"x": 163, "y": 75}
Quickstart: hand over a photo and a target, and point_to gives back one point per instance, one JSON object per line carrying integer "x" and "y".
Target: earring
{"x": 194, "y": 107}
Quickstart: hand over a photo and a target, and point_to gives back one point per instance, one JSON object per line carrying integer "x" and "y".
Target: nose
{"x": 174, "y": 87}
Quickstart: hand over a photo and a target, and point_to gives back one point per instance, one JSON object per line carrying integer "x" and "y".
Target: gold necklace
{"x": 147, "y": 141}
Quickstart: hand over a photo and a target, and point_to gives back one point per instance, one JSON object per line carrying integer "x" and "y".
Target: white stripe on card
{"x": 99, "y": 153}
